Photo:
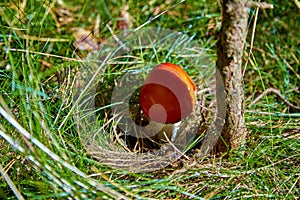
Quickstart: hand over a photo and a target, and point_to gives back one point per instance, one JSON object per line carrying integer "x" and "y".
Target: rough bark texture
{"x": 230, "y": 50}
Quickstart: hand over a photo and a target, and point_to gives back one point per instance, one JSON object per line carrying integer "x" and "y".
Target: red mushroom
{"x": 168, "y": 94}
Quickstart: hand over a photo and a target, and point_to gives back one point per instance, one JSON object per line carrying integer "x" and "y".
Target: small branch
{"x": 262, "y": 5}
{"x": 277, "y": 92}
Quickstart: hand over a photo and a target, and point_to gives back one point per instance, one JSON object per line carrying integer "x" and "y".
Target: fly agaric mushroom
{"x": 168, "y": 94}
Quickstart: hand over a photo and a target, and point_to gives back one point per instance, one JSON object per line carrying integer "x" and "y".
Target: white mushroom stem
{"x": 160, "y": 131}
{"x": 175, "y": 131}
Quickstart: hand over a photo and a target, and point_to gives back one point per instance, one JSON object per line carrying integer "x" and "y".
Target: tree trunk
{"x": 230, "y": 50}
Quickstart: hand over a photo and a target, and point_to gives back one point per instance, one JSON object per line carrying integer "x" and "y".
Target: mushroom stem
{"x": 175, "y": 130}
{"x": 165, "y": 130}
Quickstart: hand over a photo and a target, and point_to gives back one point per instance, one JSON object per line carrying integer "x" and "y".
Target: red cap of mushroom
{"x": 168, "y": 94}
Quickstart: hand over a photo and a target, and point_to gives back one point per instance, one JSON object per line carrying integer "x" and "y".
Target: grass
{"x": 41, "y": 150}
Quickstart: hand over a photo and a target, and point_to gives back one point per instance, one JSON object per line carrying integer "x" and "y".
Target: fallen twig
{"x": 277, "y": 92}
{"x": 262, "y": 5}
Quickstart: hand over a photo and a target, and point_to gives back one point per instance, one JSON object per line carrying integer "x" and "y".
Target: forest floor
{"x": 44, "y": 44}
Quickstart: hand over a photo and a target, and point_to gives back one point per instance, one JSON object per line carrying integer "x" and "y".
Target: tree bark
{"x": 229, "y": 74}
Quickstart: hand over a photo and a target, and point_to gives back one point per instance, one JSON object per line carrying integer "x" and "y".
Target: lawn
{"x": 51, "y": 53}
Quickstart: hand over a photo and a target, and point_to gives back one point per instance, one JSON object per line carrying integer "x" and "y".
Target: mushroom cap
{"x": 168, "y": 94}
